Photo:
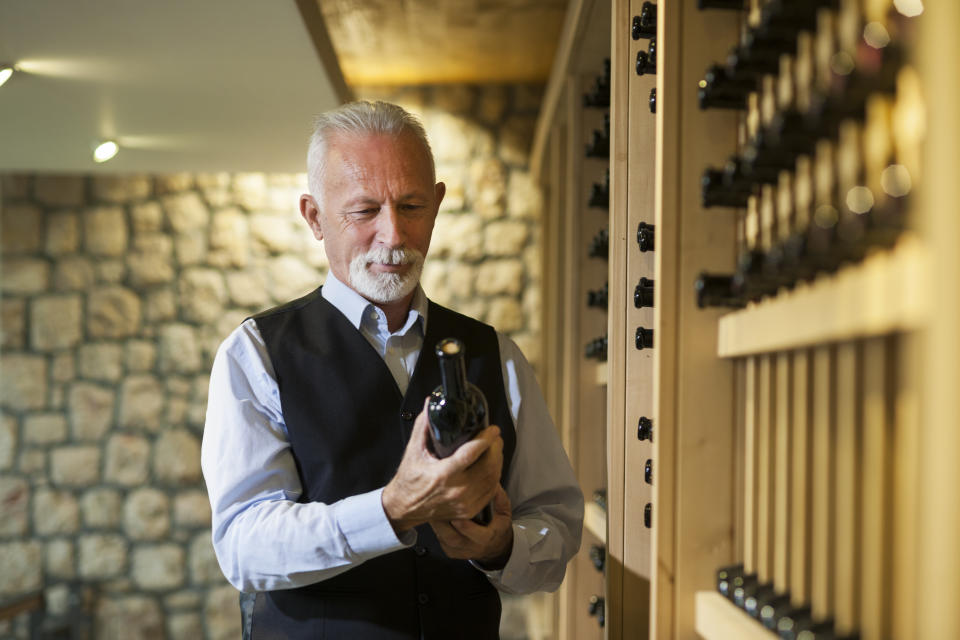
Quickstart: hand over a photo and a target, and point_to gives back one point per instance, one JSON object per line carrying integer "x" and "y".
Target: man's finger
{"x": 470, "y": 451}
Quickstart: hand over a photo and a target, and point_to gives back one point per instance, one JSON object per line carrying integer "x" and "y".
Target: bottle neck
{"x": 453, "y": 375}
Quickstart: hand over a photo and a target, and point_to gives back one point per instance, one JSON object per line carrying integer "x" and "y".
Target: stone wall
{"x": 116, "y": 292}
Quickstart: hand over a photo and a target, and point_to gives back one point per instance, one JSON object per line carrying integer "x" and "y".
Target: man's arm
{"x": 264, "y": 539}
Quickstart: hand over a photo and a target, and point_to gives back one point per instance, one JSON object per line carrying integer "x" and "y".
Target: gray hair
{"x": 359, "y": 118}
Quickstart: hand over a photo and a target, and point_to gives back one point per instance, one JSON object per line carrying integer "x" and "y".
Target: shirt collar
{"x": 352, "y": 305}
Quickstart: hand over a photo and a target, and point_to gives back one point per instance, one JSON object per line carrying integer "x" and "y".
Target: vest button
{"x": 407, "y": 415}
{"x": 423, "y": 598}
{"x": 420, "y": 550}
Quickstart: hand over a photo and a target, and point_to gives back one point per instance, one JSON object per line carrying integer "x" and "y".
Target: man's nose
{"x": 389, "y": 227}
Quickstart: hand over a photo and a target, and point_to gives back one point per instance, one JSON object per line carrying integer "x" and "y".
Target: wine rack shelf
{"x": 889, "y": 291}
{"x": 719, "y": 619}
{"x": 602, "y": 373}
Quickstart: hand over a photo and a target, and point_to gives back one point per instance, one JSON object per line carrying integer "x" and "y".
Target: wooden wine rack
{"x": 812, "y": 436}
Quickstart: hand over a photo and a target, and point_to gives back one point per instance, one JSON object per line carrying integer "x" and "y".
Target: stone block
{"x": 75, "y": 466}
{"x": 450, "y": 136}
{"x": 222, "y": 613}
{"x": 500, "y": 277}
{"x": 173, "y": 182}
{"x": 159, "y": 567}
{"x": 128, "y": 460}
{"x": 101, "y": 508}
{"x": 146, "y": 515}
{"x": 32, "y": 461}
{"x": 15, "y": 498}
{"x": 105, "y": 231}
{"x": 290, "y": 277}
{"x": 505, "y": 238}
{"x": 524, "y": 198}
{"x": 190, "y": 247}
{"x": 111, "y": 271}
{"x": 505, "y": 314}
{"x": 146, "y": 217}
{"x": 160, "y": 305}
{"x": 23, "y": 381}
{"x": 141, "y": 402}
{"x": 184, "y": 626}
{"x": 44, "y": 428}
{"x": 204, "y": 568}
{"x": 185, "y": 211}
{"x": 100, "y": 361}
{"x": 186, "y": 599}
{"x": 179, "y": 349}
{"x": 274, "y": 234}
{"x": 247, "y": 288}
{"x": 435, "y": 284}
{"x": 63, "y": 233}
{"x": 250, "y": 190}
{"x": 151, "y": 261}
{"x": 457, "y": 235}
{"x": 55, "y": 322}
{"x": 8, "y": 441}
{"x": 24, "y": 275}
{"x": 191, "y": 508}
{"x": 22, "y": 563}
{"x": 516, "y": 138}
{"x": 13, "y": 323}
{"x": 90, "y": 408}
{"x": 64, "y": 368}
{"x": 176, "y": 458}
{"x": 59, "y": 190}
{"x": 73, "y": 273}
{"x": 454, "y": 98}
{"x": 486, "y": 189}
{"x": 113, "y": 312}
{"x": 60, "y": 559}
{"x": 202, "y": 294}
{"x": 140, "y": 355}
{"x": 21, "y": 228}
{"x": 130, "y": 618}
{"x": 219, "y": 180}
{"x": 102, "y": 556}
{"x": 55, "y": 512}
{"x": 121, "y": 189}
{"x": 229, "y": 239}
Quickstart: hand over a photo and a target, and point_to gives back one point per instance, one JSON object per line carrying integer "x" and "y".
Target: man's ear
{"x": 311, "y": 213}
{"x": 439, "y": 191}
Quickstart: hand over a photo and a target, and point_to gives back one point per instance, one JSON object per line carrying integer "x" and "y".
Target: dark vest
{"x": 348, "y": 426}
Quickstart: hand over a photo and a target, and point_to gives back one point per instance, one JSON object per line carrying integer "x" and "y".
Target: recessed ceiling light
{"x": 6, "y": 70}
{"x": 105, "y": 150}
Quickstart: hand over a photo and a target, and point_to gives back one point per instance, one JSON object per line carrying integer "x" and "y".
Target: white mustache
{"x": 392, "y": 257}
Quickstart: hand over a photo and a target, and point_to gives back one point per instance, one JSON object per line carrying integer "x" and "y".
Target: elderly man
{"x": 327, "y": 502}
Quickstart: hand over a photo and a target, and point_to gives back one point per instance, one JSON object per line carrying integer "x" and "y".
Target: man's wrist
{"x": 499, "y": 561}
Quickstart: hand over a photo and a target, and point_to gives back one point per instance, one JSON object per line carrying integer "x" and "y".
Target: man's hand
{"x": 425, "y": 489}
{"x": 489, "y": 545}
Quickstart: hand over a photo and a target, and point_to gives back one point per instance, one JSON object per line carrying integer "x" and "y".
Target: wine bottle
{"x": 600, "y": 146}
{"x": 718, "y": 291}
{"x": 645, "y": 429}
{"x": 648, "y": 471}
{"x": 720, "y": 4}
{"x": 597, "y": 348}
{"x": 600, "y": 245}
{"x": 598, "y": 555}
{"x": 645, "y": 24}
{"x": 647, "y": 60}
{"x": 599, "y": 297}
{"x": 648, "y": 515}
{"x": 600, "y": 193}
{"x": 457, "y": 410}
{"x": 643, "y": 293}
{"x": 644, "y": 338}
{"x": 596, "y": 608}
{"x": 646, "y": 236}
{"x": 652, "y": 101}
{"x": 725, "y": 577}
{"x": 600, "y": 96}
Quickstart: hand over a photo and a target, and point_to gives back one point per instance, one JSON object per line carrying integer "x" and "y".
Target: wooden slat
{"x": 750, "y": 466}
{"x": 854, "y": 302}
{"x": 822, "y": 482}
{"x": 720, "y": 619}
{"x": 846, "y": 568}
{"x": 782, "y": 472}
{"x": 740, "y": 460}
{"x": 801, "y": 488}
{"x": 765, "y": 462}
{"x": 875, "y": 539}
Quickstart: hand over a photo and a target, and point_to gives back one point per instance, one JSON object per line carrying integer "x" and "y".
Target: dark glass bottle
{"x": 457, "y": 410}
{"x": 646, "y": 234}
{"x": 598, "y": 555}
{"x": 600, "y": 245}
{"x": 599, "y": 297}
{"x": 596, "y": 608}
{"x": 644, "y": 338}
{"x": 647, "y": 60}
{"x": 643, "y": 293}
{"x": 645, "y": 429}
{"x": 645, "y": 24}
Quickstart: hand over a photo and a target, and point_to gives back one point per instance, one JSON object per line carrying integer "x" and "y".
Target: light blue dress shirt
{"x": 265, "y": 540}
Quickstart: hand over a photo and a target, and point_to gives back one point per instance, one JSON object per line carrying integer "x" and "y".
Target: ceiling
{"x": 232, "y": 85}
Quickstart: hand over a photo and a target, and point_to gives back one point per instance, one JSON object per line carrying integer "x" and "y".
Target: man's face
{"x": 376, "y": 214}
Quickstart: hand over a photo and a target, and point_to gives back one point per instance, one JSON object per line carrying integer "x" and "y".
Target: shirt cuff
{"x": 367, "y": 529}
{"x": 516, "y": 563}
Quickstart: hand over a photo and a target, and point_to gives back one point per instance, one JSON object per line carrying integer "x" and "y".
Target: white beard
{"x": 385, "y": 287}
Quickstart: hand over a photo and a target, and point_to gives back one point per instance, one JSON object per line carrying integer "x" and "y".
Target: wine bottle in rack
{"x": 644, "y": 338}
{"x": 719, "y": 291}
{"x": 720, "y": 4}
{"x": 596, "y": 608}
{"x": 600, "y": 146}
{"x": 600, "y": 193}
{"x": 648, "y": 471}
{"x": 645, "y": 24}
{"x": 598, "y": 556}
{"x": 646, "y": 236}
{"x": 645, "y": 429}
{"x": 652, "y": 100}
{"x": 600, "y": 245}
{"x": 647, "y": 60}
{"x": 648, "y": 515}
{"x": 599, "y": 96}
{"x": 643, "y": 293}
{"x": 598, "y": 298}
{"x": 596, "y": 349}
{"x": 457, "y": 410}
